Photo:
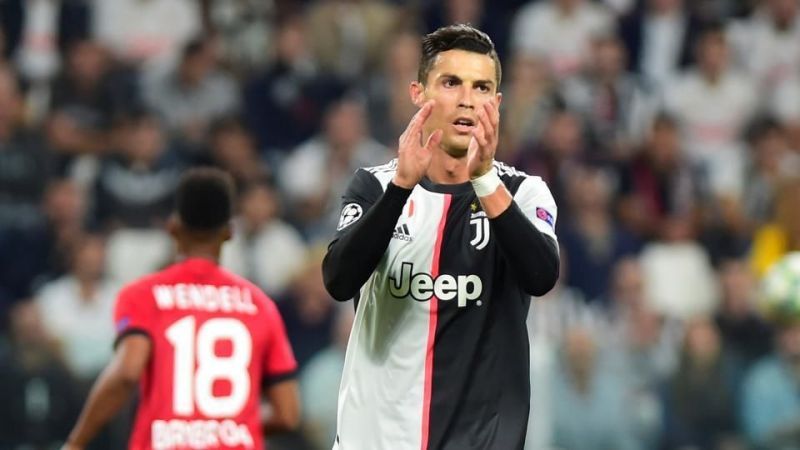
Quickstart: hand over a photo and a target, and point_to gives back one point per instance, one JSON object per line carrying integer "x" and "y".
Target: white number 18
{"x": 190, "y": 386}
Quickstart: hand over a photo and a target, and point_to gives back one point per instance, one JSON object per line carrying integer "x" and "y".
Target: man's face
{"x": 460, "y": 82}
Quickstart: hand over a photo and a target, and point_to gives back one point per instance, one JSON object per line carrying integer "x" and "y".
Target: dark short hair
{"x": 456, "y": 37}
{"x": 204, "y": 199}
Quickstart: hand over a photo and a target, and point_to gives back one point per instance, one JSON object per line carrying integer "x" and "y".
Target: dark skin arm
{"x": 112, "y": 390}
{"x": 285, "y": 413}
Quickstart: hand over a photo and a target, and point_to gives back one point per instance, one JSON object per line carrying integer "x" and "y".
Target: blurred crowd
{"x": 667, "y": 130}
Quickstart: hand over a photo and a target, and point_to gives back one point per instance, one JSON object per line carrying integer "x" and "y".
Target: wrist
{"x": 487, "y": 183}
{"x": 405, "y": 184}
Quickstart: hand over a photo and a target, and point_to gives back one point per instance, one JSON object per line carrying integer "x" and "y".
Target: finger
{"x": 493, "y": 109}
{"x": 434, "y": 139}
{"x": 420, "y": 117}
{"x": 483, "y": 118}
{"x": 480, "y": 135}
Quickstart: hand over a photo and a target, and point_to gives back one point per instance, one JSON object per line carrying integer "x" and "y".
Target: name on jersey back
{"x": 204, "y": 297}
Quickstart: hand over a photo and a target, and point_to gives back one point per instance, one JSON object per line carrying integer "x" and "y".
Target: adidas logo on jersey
{"x": 402, "y": 233}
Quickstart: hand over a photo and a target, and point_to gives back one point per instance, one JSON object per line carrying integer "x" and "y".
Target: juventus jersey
{"x": 438, "y": 354}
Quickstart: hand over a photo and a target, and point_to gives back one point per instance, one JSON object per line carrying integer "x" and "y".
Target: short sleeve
{"x": 279, "y": 361}
{"x": 537, "y": 203}
{"x": 133, "y": 313}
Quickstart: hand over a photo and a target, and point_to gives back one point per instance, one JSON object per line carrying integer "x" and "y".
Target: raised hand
{"x": 483, "y": 144}
{"x": 413, "y": 158}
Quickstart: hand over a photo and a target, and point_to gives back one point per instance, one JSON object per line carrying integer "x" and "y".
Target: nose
{"x": 465, "y": 98}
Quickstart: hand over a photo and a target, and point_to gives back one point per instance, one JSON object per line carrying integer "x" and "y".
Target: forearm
{"x": 531, "y": 255}
{"x": 108, "y": 396}
{"x": 352, "y": 258}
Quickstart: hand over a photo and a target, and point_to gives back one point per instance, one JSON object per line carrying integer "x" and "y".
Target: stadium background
{"x": 668, "y": 131}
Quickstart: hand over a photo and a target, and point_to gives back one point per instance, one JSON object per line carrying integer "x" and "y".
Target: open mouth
{"x": 464, "y": 125}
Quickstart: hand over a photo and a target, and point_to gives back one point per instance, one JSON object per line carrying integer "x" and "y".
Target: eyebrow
{"x": 488, "y": 83}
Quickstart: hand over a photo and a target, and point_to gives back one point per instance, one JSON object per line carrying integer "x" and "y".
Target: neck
{"x": 447, "y": 169}
{"x": 86, "y": 286}
{"x": 202, "y": 251}
{"x": 712, "y": 76}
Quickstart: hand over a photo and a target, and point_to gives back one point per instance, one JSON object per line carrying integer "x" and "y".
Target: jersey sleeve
{"x": 368, "y": 217}
{"x": 362, "y": 192}
{"x": 134, "y": 313}
{"x": 537, "y": 203}
{"x": 279, "y": 361}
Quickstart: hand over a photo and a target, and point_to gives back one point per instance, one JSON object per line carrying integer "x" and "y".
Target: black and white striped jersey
{"x": 438, "y": 354}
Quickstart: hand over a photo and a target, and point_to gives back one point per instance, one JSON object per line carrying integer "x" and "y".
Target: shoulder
{"x": 514, "y": 179}
{"x": 764, "y": 374}
{"x": 262, "y": 301}
{"x": 140, "y": 289}
{"x": 383, "y": 174}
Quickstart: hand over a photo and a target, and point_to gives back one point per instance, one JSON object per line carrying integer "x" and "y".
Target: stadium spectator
{"x": 315, "y": 174}
{"x": 615, "y": 104}
{"x": 745, "y": 334}
{"x": 700, "y": 398}
{"x": 658, "y": 183}
{"x": 134, "y": 185}
{"x": 319, "y": 383}
{"x": 78, "y": 306}
{"x": 233, "y": 149}
{"x": 195, "y": 94}
{"x": 592, "y": 241}
{"x": 26, "y": 163}
{"x": 38, "y": 399}
{"x": 148, "y": 36}
{"x": 529, "y": 101}
{"x": 348, "y": 38}
{"x": 713, "y": 103}
{"x": 767, "y": 43}
{"x": 770, "y": 408}
{"x": 259, "y": 234}
{"x": 388, "y": 105}
{"x": 284, "y": 103}
{"x": 561, "y": 31}
{"x": 659, "y": 36}
{"x": 590, "y": 411}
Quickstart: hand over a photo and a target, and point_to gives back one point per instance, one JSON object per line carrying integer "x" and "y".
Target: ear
{"x": 174, "y": 226}
{"x": 227, "y": 232}
{"x": 499, "y": 98}
{"x": 417, "y": 92}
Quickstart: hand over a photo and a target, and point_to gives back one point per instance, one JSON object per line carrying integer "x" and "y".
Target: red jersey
{"x": 215, "y": 338}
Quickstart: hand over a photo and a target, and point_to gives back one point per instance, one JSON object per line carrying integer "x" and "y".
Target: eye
{"x": 449, "y": 82}
{"x": 483, "y": 88}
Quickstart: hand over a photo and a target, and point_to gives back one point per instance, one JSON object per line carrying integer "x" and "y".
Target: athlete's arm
{"x": 358, "y": 248}
{"x": 112, "y": 389}
{"x": 531, "y": 254}
{"x": 355, "y": 254}
{"x": 284, "y": 400}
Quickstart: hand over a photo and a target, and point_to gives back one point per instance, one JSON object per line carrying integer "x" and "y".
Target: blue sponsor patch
{"x": 123, "y": 323}
{"x": 545, "y": 215}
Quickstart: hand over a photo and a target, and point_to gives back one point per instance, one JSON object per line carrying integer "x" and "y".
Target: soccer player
{"x": 198, "y": 341}
{"x": 442, "y": 248}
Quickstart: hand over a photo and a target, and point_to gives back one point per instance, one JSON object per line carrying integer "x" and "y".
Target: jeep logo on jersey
{"x": 350, "y": 214}
{"x": 422, "y": 286}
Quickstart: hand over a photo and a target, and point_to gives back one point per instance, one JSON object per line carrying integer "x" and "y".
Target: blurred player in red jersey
{"x": 199, "y": 341}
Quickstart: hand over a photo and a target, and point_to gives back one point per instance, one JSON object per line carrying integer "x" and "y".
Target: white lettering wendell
{"x": 422, "y": 286}
{"x": 204, "y": 297}
{"x": 169, "y": 434}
